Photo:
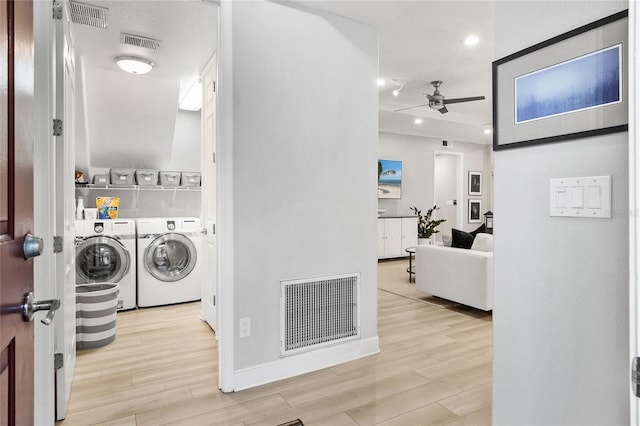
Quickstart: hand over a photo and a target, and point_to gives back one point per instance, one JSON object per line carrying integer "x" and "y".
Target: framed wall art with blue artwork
{"x": 568, "y": 87}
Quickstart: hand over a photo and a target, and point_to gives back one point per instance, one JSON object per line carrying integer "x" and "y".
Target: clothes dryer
{"x": 106, "y": 252}
{"x": 169, "y": 269}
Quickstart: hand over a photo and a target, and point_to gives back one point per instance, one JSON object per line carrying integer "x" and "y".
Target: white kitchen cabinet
{"x": 409, "y": 233}
{"x": 395, "y": 234}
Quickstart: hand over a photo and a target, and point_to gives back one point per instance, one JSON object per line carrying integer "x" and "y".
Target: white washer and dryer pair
{"x": 106, "y": 252}
{"x": 169, "y": 270}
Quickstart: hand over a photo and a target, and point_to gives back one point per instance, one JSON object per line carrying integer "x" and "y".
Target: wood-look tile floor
{"x": 434, "y": 369}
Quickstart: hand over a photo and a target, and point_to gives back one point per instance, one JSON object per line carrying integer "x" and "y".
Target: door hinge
{"x": 57, "y": 127}
{"x": 57, "y": 9}
{"x": 58, "y": 361}
{"x": 635, "y": 376}
{"x": 57, "y": 244}
{"x": 214, "y": 300}
{"x": 214, "y": 86}
{"x": 214, "y": 157}
{"x": 213, "y": 229}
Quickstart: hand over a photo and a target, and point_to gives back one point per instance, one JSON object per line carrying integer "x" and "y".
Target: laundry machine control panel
{"x": 98, "y": 227}
{"x": 171, "y": 225}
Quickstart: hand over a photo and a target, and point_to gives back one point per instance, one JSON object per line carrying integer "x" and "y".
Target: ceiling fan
{"x": 438, "y": 101}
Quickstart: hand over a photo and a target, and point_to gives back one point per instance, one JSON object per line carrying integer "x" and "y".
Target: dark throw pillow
{"x": 481, "y": 229}
{"x": 461, "y": 239}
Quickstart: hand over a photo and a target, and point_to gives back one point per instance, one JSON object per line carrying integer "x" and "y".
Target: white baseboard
{"x": 306, "y": 362}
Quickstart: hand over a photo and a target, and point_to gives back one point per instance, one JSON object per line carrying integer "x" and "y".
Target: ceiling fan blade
{"x": 458, "y": 100}
{"x": 415, "y": 106}
{"x": 443, "y": 110}
{"x": 431, "y": 98}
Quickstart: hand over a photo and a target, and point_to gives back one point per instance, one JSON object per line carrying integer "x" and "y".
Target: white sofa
{"x": 461, "y": 275}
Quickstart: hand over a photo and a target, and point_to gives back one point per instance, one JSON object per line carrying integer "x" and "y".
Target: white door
{"x": 381, "y": 237}
{"x": 65, "y": 326}
{"x": 409, "y": 233}
{"x": 209, "y": 303}
{"x": 447, "y": 191}
{"x": 393, "y": 237}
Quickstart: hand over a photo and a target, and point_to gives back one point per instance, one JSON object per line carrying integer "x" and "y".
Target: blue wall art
{"x": 585, "y": 82}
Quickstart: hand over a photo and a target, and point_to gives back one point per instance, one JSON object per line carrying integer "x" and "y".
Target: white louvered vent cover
{"x": 140, "y": 41}
{"x": 87, "y": 14}
{"x": 319, "y": 312}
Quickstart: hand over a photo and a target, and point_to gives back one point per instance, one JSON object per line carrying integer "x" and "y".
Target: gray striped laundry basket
{"x": 96, "y": 306}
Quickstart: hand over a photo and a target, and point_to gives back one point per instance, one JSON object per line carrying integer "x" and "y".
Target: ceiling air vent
{"x": 139, "y": 41}
{"x": 86, "y": 14}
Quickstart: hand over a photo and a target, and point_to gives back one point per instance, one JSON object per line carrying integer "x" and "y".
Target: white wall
{"x": 417, "y": 156}
{"x": 185, "y": 150}
{"x": 560, "y": 284}
{"x": 303, "y": 190}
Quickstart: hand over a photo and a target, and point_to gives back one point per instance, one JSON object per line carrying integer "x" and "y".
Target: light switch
{"x": 594, "y": 196}
{"x": 577, "y": 197}
{"x": 562, "y": 198}
{"x": 585, "y": 197}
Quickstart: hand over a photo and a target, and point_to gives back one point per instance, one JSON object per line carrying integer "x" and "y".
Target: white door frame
{"x": 634, "y": 200}
{"x": 459, "y": 184}
{"x": 224, "y": 208}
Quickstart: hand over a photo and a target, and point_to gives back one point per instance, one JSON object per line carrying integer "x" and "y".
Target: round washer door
{"x": 170, "y": 257}
{"x": 101, "y": 259}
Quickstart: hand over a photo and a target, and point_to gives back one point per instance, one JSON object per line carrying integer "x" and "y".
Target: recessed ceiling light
{"x": 487, "y": 131}
{"x": 134, "y": 64}
{"x": 396, "y": 92}
{"x": 418, "y": 121}
{"x": 381, "y": 82}
{"x": 471, "y": 40}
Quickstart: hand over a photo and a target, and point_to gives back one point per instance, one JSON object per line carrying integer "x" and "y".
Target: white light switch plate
{"x": 580, "y": 197}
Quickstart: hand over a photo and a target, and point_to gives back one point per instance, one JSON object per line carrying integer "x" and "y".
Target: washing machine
{"x": 169, "y": 270}
{"x": 106, "y": 252}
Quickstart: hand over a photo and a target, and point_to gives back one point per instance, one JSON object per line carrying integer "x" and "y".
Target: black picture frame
{"x": 545, "y": 57}
{"x": 475, "y": 183}
{"x": 474, "y": 211}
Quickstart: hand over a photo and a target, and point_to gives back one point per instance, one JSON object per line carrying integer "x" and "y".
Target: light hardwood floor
{"x": 434, "y": 369}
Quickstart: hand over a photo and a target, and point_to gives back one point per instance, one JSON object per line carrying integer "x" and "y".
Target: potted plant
{"x": 426, "y": 225}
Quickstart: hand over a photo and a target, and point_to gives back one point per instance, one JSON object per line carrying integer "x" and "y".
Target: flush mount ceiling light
{"x": 134, "y": 64}
{"x": 418, "y": 121}
{"x": 380, "y": 82}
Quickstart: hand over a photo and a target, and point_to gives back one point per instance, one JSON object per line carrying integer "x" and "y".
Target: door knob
{"x": 32, "y": 246}
{"x": 31, "y": 305}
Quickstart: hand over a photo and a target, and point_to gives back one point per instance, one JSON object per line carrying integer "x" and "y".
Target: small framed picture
{"x": 475, "y": 207}
{"x": 475, "y": 183}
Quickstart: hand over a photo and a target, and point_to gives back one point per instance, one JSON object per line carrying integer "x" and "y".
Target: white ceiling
{"x": 420, "y": 41}
{"x": 128, "y": 120}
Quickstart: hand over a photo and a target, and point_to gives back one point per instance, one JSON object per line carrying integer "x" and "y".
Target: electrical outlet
{"x": 244, "y": 327}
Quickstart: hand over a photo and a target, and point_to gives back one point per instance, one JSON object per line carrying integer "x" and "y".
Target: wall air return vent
{"x": 139, "y": 41}
{"x": 86, "y": 14}
{"x": 319, "y": 312}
